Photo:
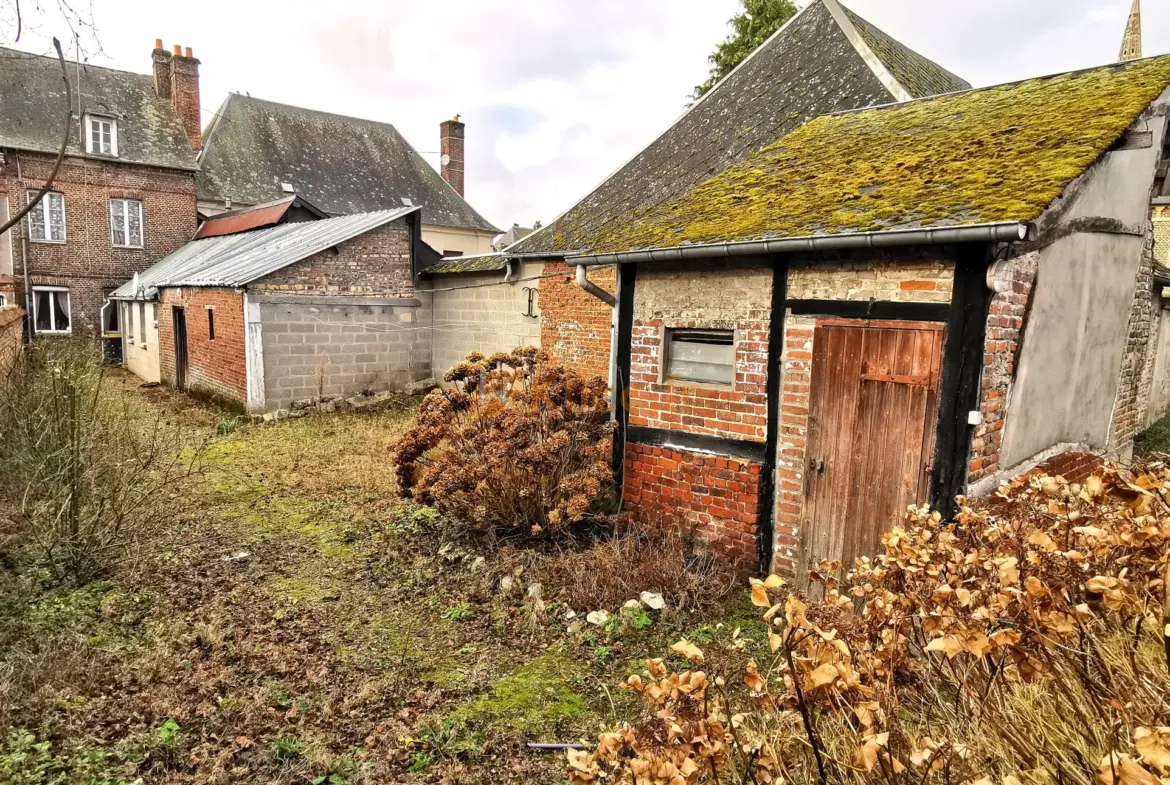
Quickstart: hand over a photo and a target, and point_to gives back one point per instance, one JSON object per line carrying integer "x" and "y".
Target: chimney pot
{"x": 158, "y": 43}
{"x": 178, "y": 51}
{"x": 187, "y": 52}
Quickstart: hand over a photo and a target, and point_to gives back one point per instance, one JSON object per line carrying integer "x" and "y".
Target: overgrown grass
{"x": 286, "y": 625}
{"x": 1155, "y": 438}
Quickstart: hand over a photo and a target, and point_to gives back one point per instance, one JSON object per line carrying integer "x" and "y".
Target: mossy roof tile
{"x": 1003, "y": 153}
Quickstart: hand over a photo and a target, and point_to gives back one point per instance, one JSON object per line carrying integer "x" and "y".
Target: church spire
{"x": 1131, "y": 47}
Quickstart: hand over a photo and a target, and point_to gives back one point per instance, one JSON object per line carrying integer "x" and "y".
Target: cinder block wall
{"x": 475, "y": 312}
{"x": 329, "y": 346}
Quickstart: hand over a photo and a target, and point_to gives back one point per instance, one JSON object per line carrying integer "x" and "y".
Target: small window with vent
{"x": 700, "y": 356}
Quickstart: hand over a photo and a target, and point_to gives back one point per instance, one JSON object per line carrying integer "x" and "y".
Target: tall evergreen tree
{"x": 759, "y": 19}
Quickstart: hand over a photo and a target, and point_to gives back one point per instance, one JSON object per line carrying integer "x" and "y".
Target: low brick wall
{"x": 11, "y": 337}
{"x": 1073, "y": 466}
{"x": 720, "y": 496}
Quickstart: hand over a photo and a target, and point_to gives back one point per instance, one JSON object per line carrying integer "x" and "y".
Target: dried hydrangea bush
{"x": 518, "y": 443}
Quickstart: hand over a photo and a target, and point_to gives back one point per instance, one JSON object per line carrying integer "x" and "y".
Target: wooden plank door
{"x": 873, "y": 404}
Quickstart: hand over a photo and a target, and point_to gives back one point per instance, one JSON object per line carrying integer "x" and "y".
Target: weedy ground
{"x": 299, "y": 623}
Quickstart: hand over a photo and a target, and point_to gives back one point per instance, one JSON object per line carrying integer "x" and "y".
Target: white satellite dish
{"x": 444, "y": 159}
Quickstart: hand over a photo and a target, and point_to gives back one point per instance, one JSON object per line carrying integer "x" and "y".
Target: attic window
{"x": 101, "y": 135}
{"x": 700, "y": 356}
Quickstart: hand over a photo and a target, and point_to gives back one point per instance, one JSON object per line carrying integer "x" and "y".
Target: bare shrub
{"x": 615, "y": 569}
{"x": 88, "y": 472}
{"x": 522, "y": 444}
{"x": 1029, "y": 645}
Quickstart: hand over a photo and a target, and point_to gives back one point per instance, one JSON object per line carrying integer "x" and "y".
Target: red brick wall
{"x": 215, "y": 368}
{"x": 86, "y": 262}
{"x": 739, "y": 412}
{"x": 1073, "y": 466}
{"x": 1005, "y": 325}
{"x": 185, "y": 96}
{"x": 721, "y": 496}
{"x": 574, "y": 325}
{"x": 376, "y": 263}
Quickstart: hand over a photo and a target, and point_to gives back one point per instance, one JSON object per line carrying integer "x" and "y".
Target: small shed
{"x": 891, "y": 307}
{"x": 298, "y": 310}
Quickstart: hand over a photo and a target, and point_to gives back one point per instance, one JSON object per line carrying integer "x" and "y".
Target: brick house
{"x": 892, "y": 306}
{"x": 267, "y": 314}
{"x": 125, "y": 194}
{"x": 826, "y": 59}
{"x": 257, "y": 151}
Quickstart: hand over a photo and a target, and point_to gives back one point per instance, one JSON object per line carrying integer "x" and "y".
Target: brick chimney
{"x": 451, "y": 150}
{"x": 176, "y": 78}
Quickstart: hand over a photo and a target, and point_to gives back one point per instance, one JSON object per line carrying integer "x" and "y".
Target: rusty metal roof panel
{"x": 238, "y": 259}
{"x": 244, "y": 220}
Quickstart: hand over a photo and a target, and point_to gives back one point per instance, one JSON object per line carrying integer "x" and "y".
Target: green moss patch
{"x": 997, "y": 154}
{"x": 541, "y": 696}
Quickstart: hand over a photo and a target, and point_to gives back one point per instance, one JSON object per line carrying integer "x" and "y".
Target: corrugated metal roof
{"x": 238, "y": 259}
{"x": 244, "y": 220}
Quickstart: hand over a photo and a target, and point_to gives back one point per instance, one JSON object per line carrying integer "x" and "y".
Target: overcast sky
{"x": 556, "y": 94}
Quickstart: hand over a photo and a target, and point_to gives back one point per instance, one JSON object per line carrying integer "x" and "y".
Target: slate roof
{"x": 341, "y": 164}
{"x": 999, "y": 154}
{"x": 921, "y": 77}
{"x": 808, "y": 68}
{"x": 239, "y": 259}
{"x": 32, "y": 99}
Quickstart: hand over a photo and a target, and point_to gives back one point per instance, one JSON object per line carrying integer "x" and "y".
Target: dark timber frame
{"x": 962, "y": 372}
{"x": 766, "y": 519}
{"x": 627, "y": 275}
{"x": 697, "y": 442}
{"x": 872, "y": 309}
{"x": 962, "y": 367}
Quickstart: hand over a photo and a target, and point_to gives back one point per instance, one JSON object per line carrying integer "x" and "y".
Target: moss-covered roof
{"x": 996, "y": 154}
{"x": 484, "y": 263}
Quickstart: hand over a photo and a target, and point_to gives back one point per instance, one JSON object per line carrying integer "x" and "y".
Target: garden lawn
{"x": 299, "y": 623}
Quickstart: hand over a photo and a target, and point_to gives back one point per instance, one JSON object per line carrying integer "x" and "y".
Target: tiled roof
{"x": 341, "y": 164}
{"x": 32, "y": 99}
{"x": 239, "y": 259}
{"x": 808, "y": 68}
{"x": 998, "y": 154}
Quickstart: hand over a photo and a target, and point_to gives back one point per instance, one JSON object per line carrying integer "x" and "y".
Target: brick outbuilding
{"x": 893, "y": 307}
{"x": 302, "y": 310}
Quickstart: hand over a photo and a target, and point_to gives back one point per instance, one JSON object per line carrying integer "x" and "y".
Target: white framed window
{"x": 51, "y": 309}
{"x": 3, "y": 299}
{"x": 126, "y": 223}
{"x": 101, "y": 135}
{"x": 46, "y": 221}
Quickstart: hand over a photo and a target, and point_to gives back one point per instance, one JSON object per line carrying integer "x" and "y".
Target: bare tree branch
{"x": 14, "y": 220}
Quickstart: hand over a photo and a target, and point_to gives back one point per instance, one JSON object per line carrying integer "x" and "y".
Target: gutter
{"x": 1002, "y": 232}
